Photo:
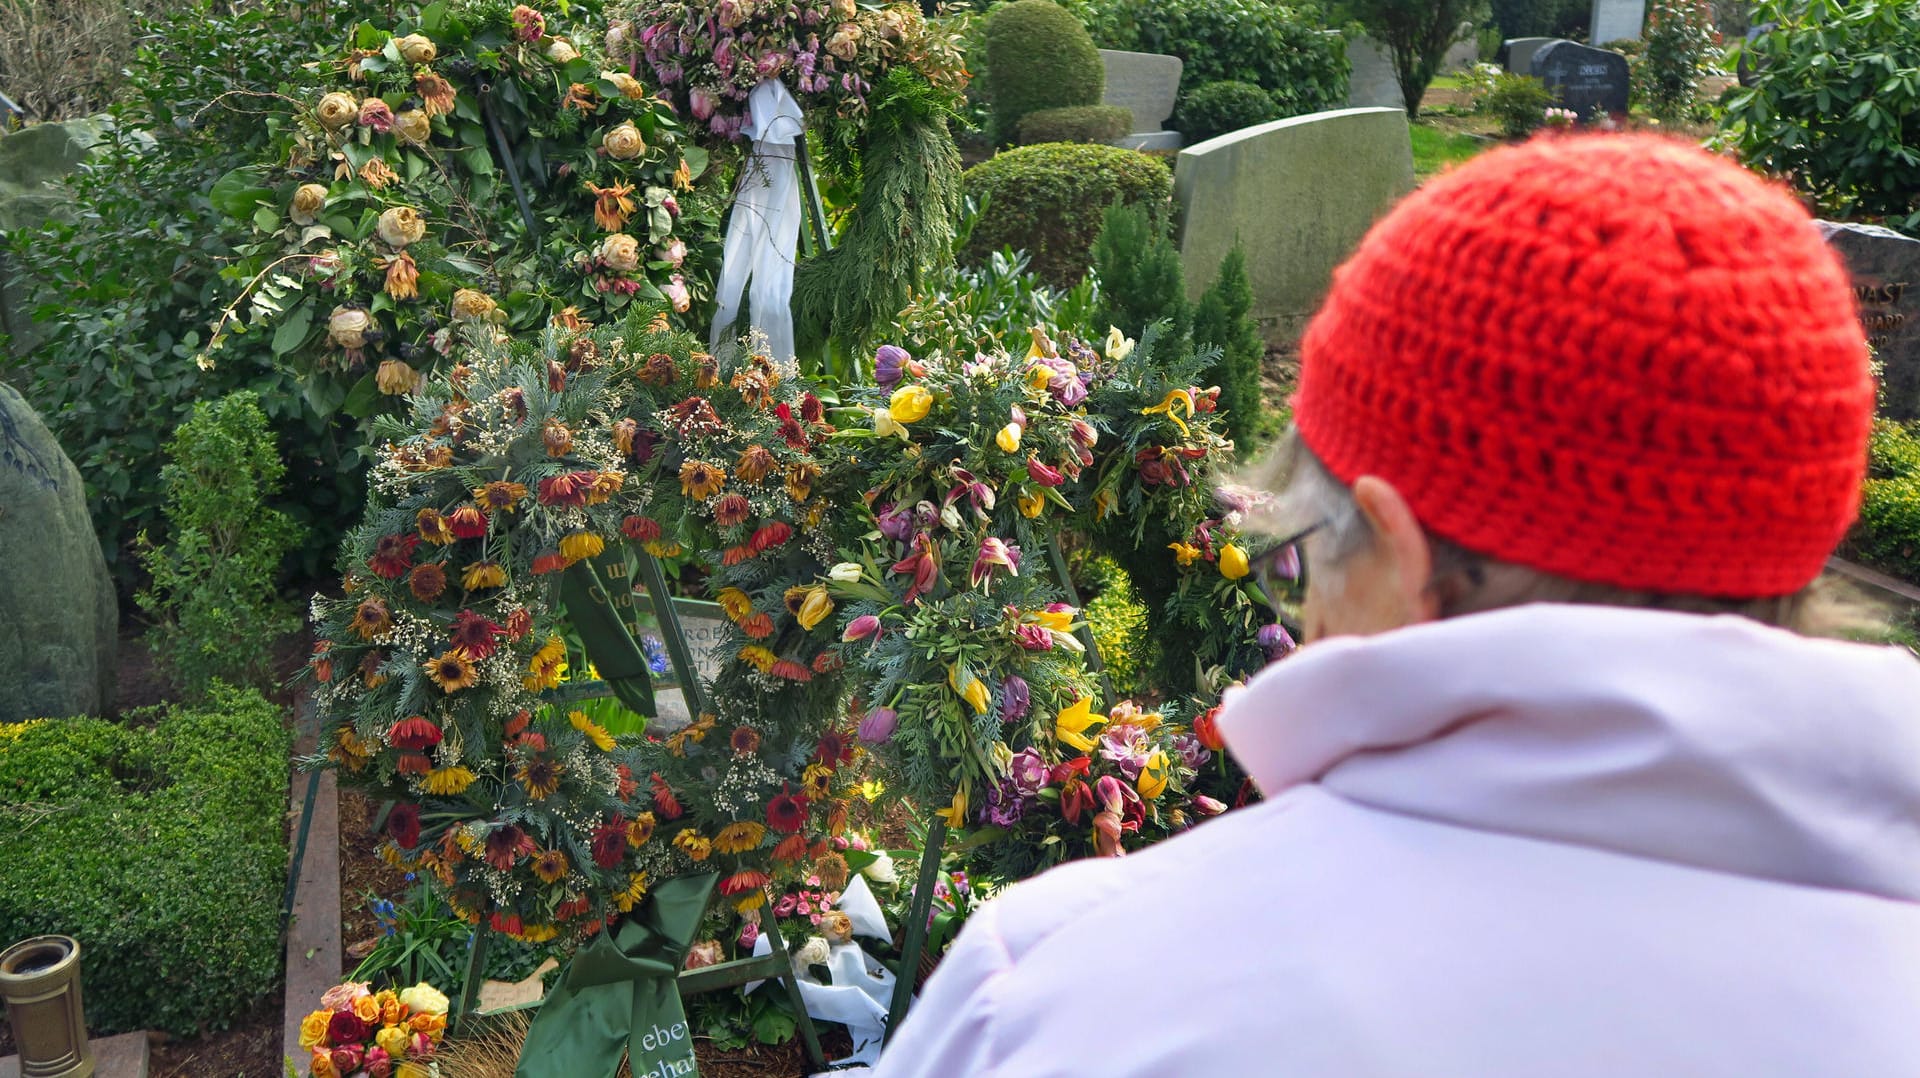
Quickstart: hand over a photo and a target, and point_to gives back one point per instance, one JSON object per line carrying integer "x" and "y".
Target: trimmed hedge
{"x": 1220, "y": 107}
{"x": 1038, "y": 57}
{"x": 1280, "y": 49}
{"x": 1050, "y": 200}
{"x": 162, "y": 849}
{"x": 1888, "y": 534}
{"x": 1081, "y": 123}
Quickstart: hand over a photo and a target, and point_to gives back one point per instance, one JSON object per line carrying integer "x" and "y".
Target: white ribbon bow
{"x": 763, "y": 232}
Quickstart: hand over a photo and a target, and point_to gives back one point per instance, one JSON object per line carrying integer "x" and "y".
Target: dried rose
{"x": 395, "y": 378}
{"x": 337, "y": 110}
{"x": 347, "y": 326}
{"x": 677, "y": 294}
{"x": 528, "y": 24}
{"x": 307, "y": 203}
{"x": 561, "y": 51}
{"x": 843, "y": 9}
{"x": 400, "y": 226}
{"x": 624, "y": 143}
{"x": 845, "y": 42}
{"x": 673, "y": 252}
{"x": 418, "y": 49}
{"x": 413, "y": 125}
{"x": 628, "y": 86}
{"x": 620, "y": 252}
{"x": 374, "y": 113}
{"x": 469, "y": 305}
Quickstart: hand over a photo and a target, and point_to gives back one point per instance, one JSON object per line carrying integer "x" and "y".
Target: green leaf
{"x": 236, "y": 193}
{"x": 362, "y": 399}
{"x": 266, "y": 218}
{"x": 292, "y": 332}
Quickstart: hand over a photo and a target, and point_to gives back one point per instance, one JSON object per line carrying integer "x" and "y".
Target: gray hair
{"x": 1466, "y": 582}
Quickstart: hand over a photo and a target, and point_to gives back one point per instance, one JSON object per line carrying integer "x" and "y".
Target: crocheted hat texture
{"x": 1616, "y": 359}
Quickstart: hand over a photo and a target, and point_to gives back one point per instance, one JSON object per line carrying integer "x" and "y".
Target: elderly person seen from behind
{"x": 1557, "y": 786}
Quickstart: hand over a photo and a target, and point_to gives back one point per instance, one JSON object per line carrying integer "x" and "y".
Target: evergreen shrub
{"x": 1080, "y": 123}
{"x": 1049, "y": 201}
{"x": 1283, "y": 50}
{"x": 161, "y": 848}
{"x": 1888, "y": 534}
{"x": 1220, "y": 107}
{"x": 1038, "y": 57}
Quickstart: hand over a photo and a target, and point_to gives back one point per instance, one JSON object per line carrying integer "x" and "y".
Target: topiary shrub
{"x": 1281, "y": 50}
{"x": 1081, "y": 123}
{"x": 1049, "y": 201}
{"x": 1830, "y": 108}
{"x": 1678, "y": 46}
{"x": 1220, "y": 107}
{"x": 1038, "y": 57}
{"x": 1888, "y": 534}
{"x": 162, "y": 849}
{"x": 1519, "y": 102}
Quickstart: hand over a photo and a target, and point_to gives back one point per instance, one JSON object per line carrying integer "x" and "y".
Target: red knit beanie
{"x": 1616, "y": 359}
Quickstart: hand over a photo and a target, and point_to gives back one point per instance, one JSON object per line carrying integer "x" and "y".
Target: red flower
{"x": 413, "y": 763}
{"x": 640, "y": 529}
{"x": 1067, "y": 769}
{"x": 474, "y": 635}
{"x": 506, "y": 845}
{"x": 732, "y": 510}
{"x": 741, "y": 882}
{"x": 1075, "y": 798}
{"x": 663, "y": 798}
{"x": 610, "y": 843}
{"x": 467, "y": 522}
{"x": 519, "y": 624}
{"x": 403, "y": 823}
{"x": 346, "y": 1027}
{"x": 518, "y": 723}
{"x": 923, "y": 565}
{"x": 792, "y": 671}
{"x": 758, "y": 626}
{"x": 415, "y": 734}
{"x": 393, "y": 556}
{"x": 826, "y": 662}
{"x": 792, "y": 848}
{"x": 735, "y": 555}
{"x": 508, "y": 923}
{"x": 1207, "y": 729}
{"x": 787, "y": 813}
{"x": 551, "y": 562}
{"x": 812, "y": 410}
{"x": 770, "y": 536}
{"x": 834, "y": 749}
{"x": 791, "y": 430}
{"x": 628, "y": 787}
{"x": 1041, "y": 474}
{"x": 570, "y": 489}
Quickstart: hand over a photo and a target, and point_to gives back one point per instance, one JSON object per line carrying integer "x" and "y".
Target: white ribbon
{"x": 861, "y": 988}
{"x": 763, "y": 232}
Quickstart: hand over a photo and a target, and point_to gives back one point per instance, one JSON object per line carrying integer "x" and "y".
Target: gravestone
{"x": 1591, "y": 82}
{"x": 59, "y": 621}
{"x": 1373, "y": 83}
{"x": 1617, "y": 20}
{"x": 1516, "y": 53}
{"x": 33, "y": 161}
{"x": 1145, "y": 84}
{"x": 1297, "y": 194}
{"x": 1464, "y": 52}
{"x": 1885, "y": 267}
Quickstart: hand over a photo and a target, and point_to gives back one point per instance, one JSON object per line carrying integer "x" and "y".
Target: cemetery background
{"x": 111, "y": 347}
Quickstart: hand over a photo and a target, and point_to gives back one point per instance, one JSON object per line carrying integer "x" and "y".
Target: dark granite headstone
{"x": 1516, "y": 53}
{"x": 1591, "y": 82}
{"x": 1886, "y": 280}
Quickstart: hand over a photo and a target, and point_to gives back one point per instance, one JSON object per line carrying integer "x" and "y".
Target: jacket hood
{"x": 1713, "y": 742}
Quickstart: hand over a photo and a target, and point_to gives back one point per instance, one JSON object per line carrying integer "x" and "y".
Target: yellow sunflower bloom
{"x": 636, "y": 890}
{"x": 735, "y": 604}
{"x": 594, "y": 731}
{"x": 758, "y": 657}
{"x": 581, "y": 545}
{"x": 447, "y": 781}
{"x": 699, "y": 479}
{"x": 739, "y": 837}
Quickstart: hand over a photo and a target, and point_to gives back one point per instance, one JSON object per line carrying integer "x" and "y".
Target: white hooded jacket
{"x": 1547, "y": 841}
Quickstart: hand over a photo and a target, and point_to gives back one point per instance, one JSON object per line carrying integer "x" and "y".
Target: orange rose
{"x": 366, "y": 1009}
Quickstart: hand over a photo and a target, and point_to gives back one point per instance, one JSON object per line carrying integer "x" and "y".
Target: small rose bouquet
{"x": 359, "y": 1033}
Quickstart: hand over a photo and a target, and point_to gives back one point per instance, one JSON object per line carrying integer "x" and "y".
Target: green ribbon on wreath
{"x": 593, "y": 603}
{"x": 620, "y": 996}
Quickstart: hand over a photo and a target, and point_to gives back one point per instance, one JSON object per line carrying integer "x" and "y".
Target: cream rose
{"x": 347, "y": 327}
{"x": 418, "y": 49}
{"x": 561, "y": 51}
{"x": 413, "y": 125}
{"x": 628, "y": 86}
{"x": 424, "y": 998}
{"x": 307, "y": 203}
{"x": 395, "y": 378}
{"x": 844, "y": 9}
{"x": 470, "y": 306}
{"x": 616, "y": 39}
{"x": 337, "y": 110}
{"x": 624, "y": 143}
{"x": 401, "y": 226}
{"x": 620, "y": 252}
{"x": 845, "y": 42}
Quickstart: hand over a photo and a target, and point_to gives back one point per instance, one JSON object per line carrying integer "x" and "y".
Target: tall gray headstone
{"x": 1516, "y": 53}
{"x": 1297, "y": 194}
{"x": 1147, "y": 85}
{"x": 1885, "y": 267}
{"x": 1617, "y": 20}
{"x": 1373, "y": 83}
{"x": 59, "y": 620}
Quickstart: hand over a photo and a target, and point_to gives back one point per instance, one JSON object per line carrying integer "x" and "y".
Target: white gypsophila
{"x": 747, "y": 784}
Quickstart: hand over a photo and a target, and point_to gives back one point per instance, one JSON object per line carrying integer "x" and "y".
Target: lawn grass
{"x": 1434, "y": 149}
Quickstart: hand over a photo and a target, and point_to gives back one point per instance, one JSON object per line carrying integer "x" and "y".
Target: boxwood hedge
{"x": 1049, "y": 200}
{"x": 161, "y": 846}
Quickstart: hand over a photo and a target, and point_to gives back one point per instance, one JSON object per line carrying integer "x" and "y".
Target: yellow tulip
{"x": 1233, "y": 562}
{"x": 970, "y": 688}
{"x": 1039, "y": 378}
{"x": 1041, "y": 348}
{"x": 1153, "y": 777}
{"x": 1030, "y": 504}
{"x": 1009, "y": 438}
{"x": 1119, "y": 345}
{"x": 1071, "y": 724}
{"x": 910, "y": 404}
{"x": 955, "y": 814}
{"x": 1059, "y": 621}
{"x": 815, "y": 607}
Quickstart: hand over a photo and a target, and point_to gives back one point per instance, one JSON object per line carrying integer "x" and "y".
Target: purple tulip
{"x": 1275, "y": 640}
{"x": 890, "y": 365}
{"x": 879, "y": 725}
{"x": 1015, "y": 699}
{"x": 1028, "y": 771}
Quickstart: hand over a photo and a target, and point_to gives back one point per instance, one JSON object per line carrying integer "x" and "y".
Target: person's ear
{"x": 1406, "y": 556}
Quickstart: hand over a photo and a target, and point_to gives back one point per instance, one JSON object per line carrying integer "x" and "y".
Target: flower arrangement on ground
{"x": 381, "y": 1034}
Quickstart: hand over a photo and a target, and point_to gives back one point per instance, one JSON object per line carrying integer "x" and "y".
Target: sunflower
{"x": 594, "y": 731}
{"x": 483, "y": 574}
{"x": 734, "y": 603}
{"x": 786, "y": 813}
{"x": 699, "y": 479}
{"x": 745, "y": 740}
{"x": 436, "y": 93}
{"x": 693, "y": 844}
{"x": 739, "y": 837}
{"x": 499, "y": 496}
{"x": 817, "y": 780}
{"x": 452, "y": 671}
{"x": 540, "y": 776}
{"x": 427, "y": 581}
{"x": 796, "y": 597}
{"x": 371, "y": 618}
{"x": 550, "y": 866}
{"x": 581, "y": 545}
{"x": 446, "y": 781}
{"x": 640, "y": 831}
{"x": 605, "y": 486}
{"x": 758, "y": 657}
{"x": 732, "y": 510}
{"x": 432, "y": 526}
{"x": 636, "y": 890}
{"x": 392, "y": 556}
{"x": 755, "y": 464}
